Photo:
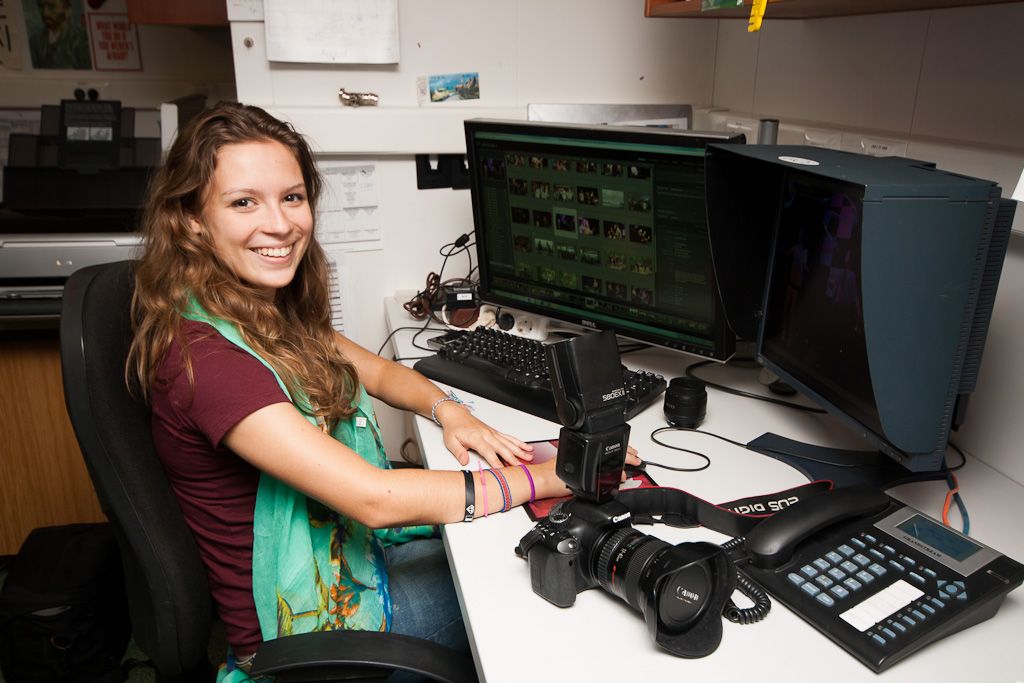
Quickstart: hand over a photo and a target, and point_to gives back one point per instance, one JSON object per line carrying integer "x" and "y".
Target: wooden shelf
{"x": 803, "y": 9}
{"x": 178, "y": 13}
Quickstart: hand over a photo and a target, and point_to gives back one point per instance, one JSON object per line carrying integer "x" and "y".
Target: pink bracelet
{"x": 529, "y": 477}
{"x": 483, "y": 488}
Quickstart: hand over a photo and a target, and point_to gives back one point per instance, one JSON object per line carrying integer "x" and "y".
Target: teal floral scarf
{"x": 312, "y": 568}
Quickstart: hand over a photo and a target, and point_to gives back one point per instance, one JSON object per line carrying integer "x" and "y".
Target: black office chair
{"x": 164, "y": 575}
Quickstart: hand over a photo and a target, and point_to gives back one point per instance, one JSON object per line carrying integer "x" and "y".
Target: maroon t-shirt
{"x": 215, "y": 487}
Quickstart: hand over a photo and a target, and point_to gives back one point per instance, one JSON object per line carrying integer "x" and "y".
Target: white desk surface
{"x": 518, "y": 636}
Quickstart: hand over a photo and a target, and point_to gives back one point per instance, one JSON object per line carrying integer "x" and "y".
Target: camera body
{"x": 589, "y": 541}
{"x": 680, "y": 590}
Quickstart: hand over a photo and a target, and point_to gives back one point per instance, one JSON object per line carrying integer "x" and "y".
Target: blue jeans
{"x": 423, "y": 600}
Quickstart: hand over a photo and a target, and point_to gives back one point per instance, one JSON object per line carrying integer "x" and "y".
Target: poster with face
{"x": 57, "y": 34}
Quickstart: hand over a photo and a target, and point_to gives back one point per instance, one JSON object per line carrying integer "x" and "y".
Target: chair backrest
{"x": 164, "y": 575}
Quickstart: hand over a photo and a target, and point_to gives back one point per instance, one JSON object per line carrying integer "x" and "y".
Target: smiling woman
{"x": 257, "y": 214}
{"x": 262, "y": 415}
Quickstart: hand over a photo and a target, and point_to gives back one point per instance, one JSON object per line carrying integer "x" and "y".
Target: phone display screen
{"x": 938, "y": 537}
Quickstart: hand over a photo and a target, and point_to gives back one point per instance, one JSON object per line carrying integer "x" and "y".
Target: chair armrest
{"x": 336, "y": 655}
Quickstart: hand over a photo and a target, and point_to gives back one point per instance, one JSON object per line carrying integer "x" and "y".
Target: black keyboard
{"x": 511, "y": 370}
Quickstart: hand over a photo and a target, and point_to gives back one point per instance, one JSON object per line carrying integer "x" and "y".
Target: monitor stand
{"x": 843, "y": 467}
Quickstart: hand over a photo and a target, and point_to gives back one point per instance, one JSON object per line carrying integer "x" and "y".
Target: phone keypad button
{"x": 825, "y": 599}
{"x": 839, "y": 591}
{"x": 809, "y": 588}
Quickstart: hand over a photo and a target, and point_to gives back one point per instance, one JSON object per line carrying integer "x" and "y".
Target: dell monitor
{"x": 599, "y": 226}
{"x": 876, "y": 279}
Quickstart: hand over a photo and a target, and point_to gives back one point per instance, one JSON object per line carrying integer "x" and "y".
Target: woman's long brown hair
{"x": 293, "y": 332}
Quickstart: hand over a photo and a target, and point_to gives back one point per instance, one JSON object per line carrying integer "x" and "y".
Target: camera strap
{"x": 735, "y": 518}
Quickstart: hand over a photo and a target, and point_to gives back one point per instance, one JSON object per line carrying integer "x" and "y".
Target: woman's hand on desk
{"x": 464, "y": 432}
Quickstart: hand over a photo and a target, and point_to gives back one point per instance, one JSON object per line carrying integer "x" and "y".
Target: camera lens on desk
{"x": 686, "y": 402}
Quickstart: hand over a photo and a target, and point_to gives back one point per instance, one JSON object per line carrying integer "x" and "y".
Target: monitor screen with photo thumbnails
{"x": 599, "y": 226}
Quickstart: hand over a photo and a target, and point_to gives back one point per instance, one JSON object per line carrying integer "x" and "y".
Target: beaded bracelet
{"x": 506, "y": 494}
{"x": 470, "y": 496}
{"x": 529, "y": 477}
{"x": 450, "y": 397}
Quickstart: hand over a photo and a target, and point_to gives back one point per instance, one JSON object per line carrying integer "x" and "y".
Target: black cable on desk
{"x": 409, "y": 327}
{"x": 748, "y": 394}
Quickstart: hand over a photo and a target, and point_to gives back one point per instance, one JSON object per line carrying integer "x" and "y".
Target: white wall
{"x": 946, "y": 81}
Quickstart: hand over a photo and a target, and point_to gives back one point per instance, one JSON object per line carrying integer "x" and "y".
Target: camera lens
{"x": 620, "y": 559}
{"x": 682, "y": 596}
{"x": 653, "y": 577}
{"x": 686, "y": 402}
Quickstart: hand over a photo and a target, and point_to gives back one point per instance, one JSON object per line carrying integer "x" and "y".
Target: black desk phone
{"x": 879, "y": 578}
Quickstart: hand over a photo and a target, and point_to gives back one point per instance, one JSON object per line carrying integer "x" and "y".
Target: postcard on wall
{"x": 448, "y": 87}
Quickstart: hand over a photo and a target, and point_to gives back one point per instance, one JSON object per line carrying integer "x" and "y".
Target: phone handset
{"x": 771, "y": 543}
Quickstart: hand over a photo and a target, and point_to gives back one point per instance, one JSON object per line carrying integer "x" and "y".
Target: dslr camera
{"x": 589, "y": 540}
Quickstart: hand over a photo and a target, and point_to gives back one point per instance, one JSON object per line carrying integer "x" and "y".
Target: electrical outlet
{"x": 91, "y": 90}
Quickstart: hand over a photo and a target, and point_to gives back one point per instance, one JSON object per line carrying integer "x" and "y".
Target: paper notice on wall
{"x": 332, "y": 31}
{"x": 349, "y": 212}
{"x": 115, "y": 42}
{"x": 10, "y": 37}
{"x": 340, "y": 290}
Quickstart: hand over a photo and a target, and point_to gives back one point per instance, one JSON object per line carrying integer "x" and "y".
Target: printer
{"x": 71, "y": 198}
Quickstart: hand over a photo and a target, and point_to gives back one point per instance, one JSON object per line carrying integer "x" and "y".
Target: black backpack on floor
{"x": 63, "y": 608}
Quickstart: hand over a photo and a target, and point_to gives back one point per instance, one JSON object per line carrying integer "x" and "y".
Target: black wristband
{"x": 470, "y": 497}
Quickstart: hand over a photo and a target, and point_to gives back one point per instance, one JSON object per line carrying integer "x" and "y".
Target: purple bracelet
{"x": 529, "y": 477}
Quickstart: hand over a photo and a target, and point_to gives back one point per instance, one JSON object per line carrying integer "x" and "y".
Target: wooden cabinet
{"x": 179, "y": 12}
{"x": 803, "y": 9}
{"x": 43, "y": 479}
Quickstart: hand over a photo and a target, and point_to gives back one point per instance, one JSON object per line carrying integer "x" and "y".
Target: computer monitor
{"x": 879, "y": 278}
{"x": 599, "y": 226}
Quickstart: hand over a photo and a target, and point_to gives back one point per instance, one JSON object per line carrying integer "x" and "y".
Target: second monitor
{"x": 599, "y": 226}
